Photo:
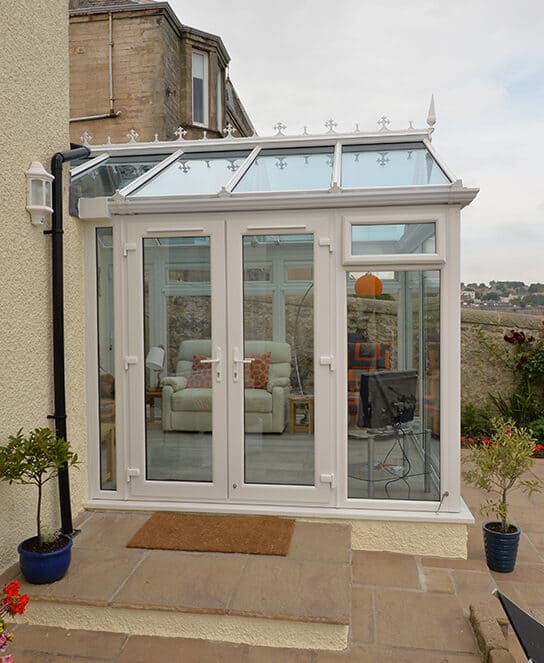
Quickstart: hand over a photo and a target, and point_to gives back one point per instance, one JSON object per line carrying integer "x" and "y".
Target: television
{"x": 387, "y": 398}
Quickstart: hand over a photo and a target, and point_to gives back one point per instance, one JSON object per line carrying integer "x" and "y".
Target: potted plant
{"x": 36, "y": 459}
{"x": 497, "y": 465}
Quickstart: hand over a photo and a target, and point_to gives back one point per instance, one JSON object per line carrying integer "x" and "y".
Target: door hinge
{"x": 326, "y": 241}
{"x": 131, "y": 359}
{"x": 327, "y": 360}
{"x": 132, "y": 472}
{"x": 328, "y": 478}
{"x": 129, "y": 246}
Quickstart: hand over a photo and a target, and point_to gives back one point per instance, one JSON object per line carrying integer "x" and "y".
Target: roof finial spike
{"x": 86, "y": 138}
{"x": 279, "y": 127}
{"x": 228, "y": 130}
{"x": 305, "y": 131}
{"x": 431, "y": 116}
{"x": 330, "y": 124}
{"x": 156, "y": 138}
{"x": 204, "y": 135}
{"x": 180, "y": 132}
{"x": 384, "y": 121}
{"x": 357, "y": 130}
{"x": 132, "y": 136}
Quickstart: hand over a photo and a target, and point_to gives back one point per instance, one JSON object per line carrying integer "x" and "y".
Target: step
{"x": 301, "y": 600}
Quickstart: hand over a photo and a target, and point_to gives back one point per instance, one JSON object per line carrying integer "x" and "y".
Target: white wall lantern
{"x": 38, "y": 193}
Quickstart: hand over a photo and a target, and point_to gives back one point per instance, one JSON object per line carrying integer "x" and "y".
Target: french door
{"x": 227, "y": 350}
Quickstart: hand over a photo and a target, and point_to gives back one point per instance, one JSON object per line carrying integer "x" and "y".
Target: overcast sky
{"x": 303, "y": 61}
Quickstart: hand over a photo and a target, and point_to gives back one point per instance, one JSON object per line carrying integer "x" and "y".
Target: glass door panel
{"x": 178, "y": 349}
{"x": 179, "y": 389}
{"x": 279, "y": 325}
{"x": 279, "y": 376}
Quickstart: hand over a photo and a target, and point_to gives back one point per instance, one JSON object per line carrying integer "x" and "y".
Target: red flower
{"x": 539, "y": 447}
{"x": 12, "y": 589}
{"x": 20, "y": 606}
{"x": 486, "y": 441}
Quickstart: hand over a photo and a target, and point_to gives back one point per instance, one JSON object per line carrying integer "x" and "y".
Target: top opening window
{"x": 289, "y": 170}
{"x": 200, "y": 87}
{"x": 389, "y": 165}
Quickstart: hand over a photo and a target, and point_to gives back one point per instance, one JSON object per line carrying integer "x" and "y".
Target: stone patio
{"x": 398, "y": 607}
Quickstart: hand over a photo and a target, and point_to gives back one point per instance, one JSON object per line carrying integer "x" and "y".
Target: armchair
{"x": 187, "y": 401}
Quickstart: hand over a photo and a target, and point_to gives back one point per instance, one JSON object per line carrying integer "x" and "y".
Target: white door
{"x": 228, "y": 350}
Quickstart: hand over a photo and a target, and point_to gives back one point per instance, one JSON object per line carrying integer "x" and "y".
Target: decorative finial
{"x": 156, "y": 138}
{"x": 180, "y": 132}
{"x": 384, "y": 121}
{"x": 330, "y": 124}
{"x": 431, "y": 116}
{"x": 279, "y": 127}
{"x": 305, "y": 131}
{"x": 204, "y": 135}
{"x": 86, "y": 138}
{"x": 410, "y": 125}
{"x": 132, "y": 136}
{"x": 229, "y": 130}
{"x": 357, "y": 130}
{"x": 108, "y": 140}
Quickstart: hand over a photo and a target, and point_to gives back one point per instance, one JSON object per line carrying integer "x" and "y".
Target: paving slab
{"x": 293, "y": 589}
{"x": 309, "y": 543}
{"x": 386, "y": 569}
{"x": 422, "y": 620}
{"x": 191, "y": 582}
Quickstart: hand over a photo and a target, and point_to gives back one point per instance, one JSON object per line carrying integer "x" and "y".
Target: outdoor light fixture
{"x": 38, "y": 193}
{"x": 155, "y": 361}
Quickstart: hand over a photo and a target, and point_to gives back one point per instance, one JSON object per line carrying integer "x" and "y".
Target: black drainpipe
{"x": 56, "y": 232}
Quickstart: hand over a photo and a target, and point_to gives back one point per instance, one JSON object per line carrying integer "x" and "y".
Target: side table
{"x": 301, "y": 405}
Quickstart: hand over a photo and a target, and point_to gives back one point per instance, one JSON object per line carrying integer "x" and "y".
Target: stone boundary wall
{"x": 481, "y": 372}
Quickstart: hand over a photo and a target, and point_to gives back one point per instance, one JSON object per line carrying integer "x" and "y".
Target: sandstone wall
{"x": 481, "y": 372}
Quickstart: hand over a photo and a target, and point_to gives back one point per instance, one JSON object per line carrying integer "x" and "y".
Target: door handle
{"x": 218, "y": 361}
{"x": 237, "y": 360}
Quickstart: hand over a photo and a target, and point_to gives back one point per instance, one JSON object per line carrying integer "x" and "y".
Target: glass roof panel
{"x": 108, "y": 176}
{"x": 295, "y": 169}
{"x": 199, "y": 172}
{"x": 389, "y": 165}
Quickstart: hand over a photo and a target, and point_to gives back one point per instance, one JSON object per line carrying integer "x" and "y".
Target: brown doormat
{"x": 259, "y": 535}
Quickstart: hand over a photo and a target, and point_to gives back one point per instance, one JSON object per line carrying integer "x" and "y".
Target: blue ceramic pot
{"x": 500, "y": 549}
{"x": 41, "y": 568}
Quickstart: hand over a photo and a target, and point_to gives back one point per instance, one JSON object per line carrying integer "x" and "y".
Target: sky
{"x": 305, "y": 61}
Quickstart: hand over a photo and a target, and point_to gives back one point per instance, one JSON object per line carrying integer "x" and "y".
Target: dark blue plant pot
{"x": 41, "y": 568}
{"x": 500, "y": 549}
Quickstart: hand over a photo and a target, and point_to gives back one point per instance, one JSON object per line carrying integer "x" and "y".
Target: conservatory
{"x": 274, "y": 325}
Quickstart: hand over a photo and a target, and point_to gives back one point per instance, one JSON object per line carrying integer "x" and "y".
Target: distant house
{"x": 134, "y": 65}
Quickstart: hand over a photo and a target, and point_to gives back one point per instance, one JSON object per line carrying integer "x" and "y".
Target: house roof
{"x": 90, "y": 4}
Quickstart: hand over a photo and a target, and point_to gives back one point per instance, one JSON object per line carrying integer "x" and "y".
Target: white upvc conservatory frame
{"x": 438, "y": 203}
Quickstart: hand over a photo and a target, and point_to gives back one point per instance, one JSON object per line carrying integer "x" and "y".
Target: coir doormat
{"x": 259, "y": 535}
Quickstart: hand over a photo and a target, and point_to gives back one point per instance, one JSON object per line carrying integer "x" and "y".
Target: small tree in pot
{"x": 497, "y": 465}
{"x": 36, "y": 459}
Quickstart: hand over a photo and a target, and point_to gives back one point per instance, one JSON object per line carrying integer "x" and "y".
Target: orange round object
{"x": 368, "y": 285}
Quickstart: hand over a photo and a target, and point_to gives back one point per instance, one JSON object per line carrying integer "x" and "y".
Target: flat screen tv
{"x": 387, "y": 398}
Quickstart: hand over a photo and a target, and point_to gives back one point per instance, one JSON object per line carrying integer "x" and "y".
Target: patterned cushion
{"x": 369, "y": 356}
{"x": 201, "y": 374}
{"x": 256, "y": 374}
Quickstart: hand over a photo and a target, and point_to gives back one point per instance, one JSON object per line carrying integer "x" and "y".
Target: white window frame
{"x": 447, "y": 262}
{"x": 374, "y": 217}
{"x": 205, "y": 92}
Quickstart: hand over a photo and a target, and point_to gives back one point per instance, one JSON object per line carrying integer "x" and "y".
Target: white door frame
{"x": 227, "y": 332}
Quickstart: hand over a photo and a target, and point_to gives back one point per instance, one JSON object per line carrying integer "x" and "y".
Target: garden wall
{"x": 481, "y": 372}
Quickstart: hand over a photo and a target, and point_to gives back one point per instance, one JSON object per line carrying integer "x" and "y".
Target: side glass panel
{"x": 106, "y": 357}
{"x": 278, "y": 342}
{"x": 393, "y": 385}
{"x": 177, "y": 343}
{"x": 393, "y": 238}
